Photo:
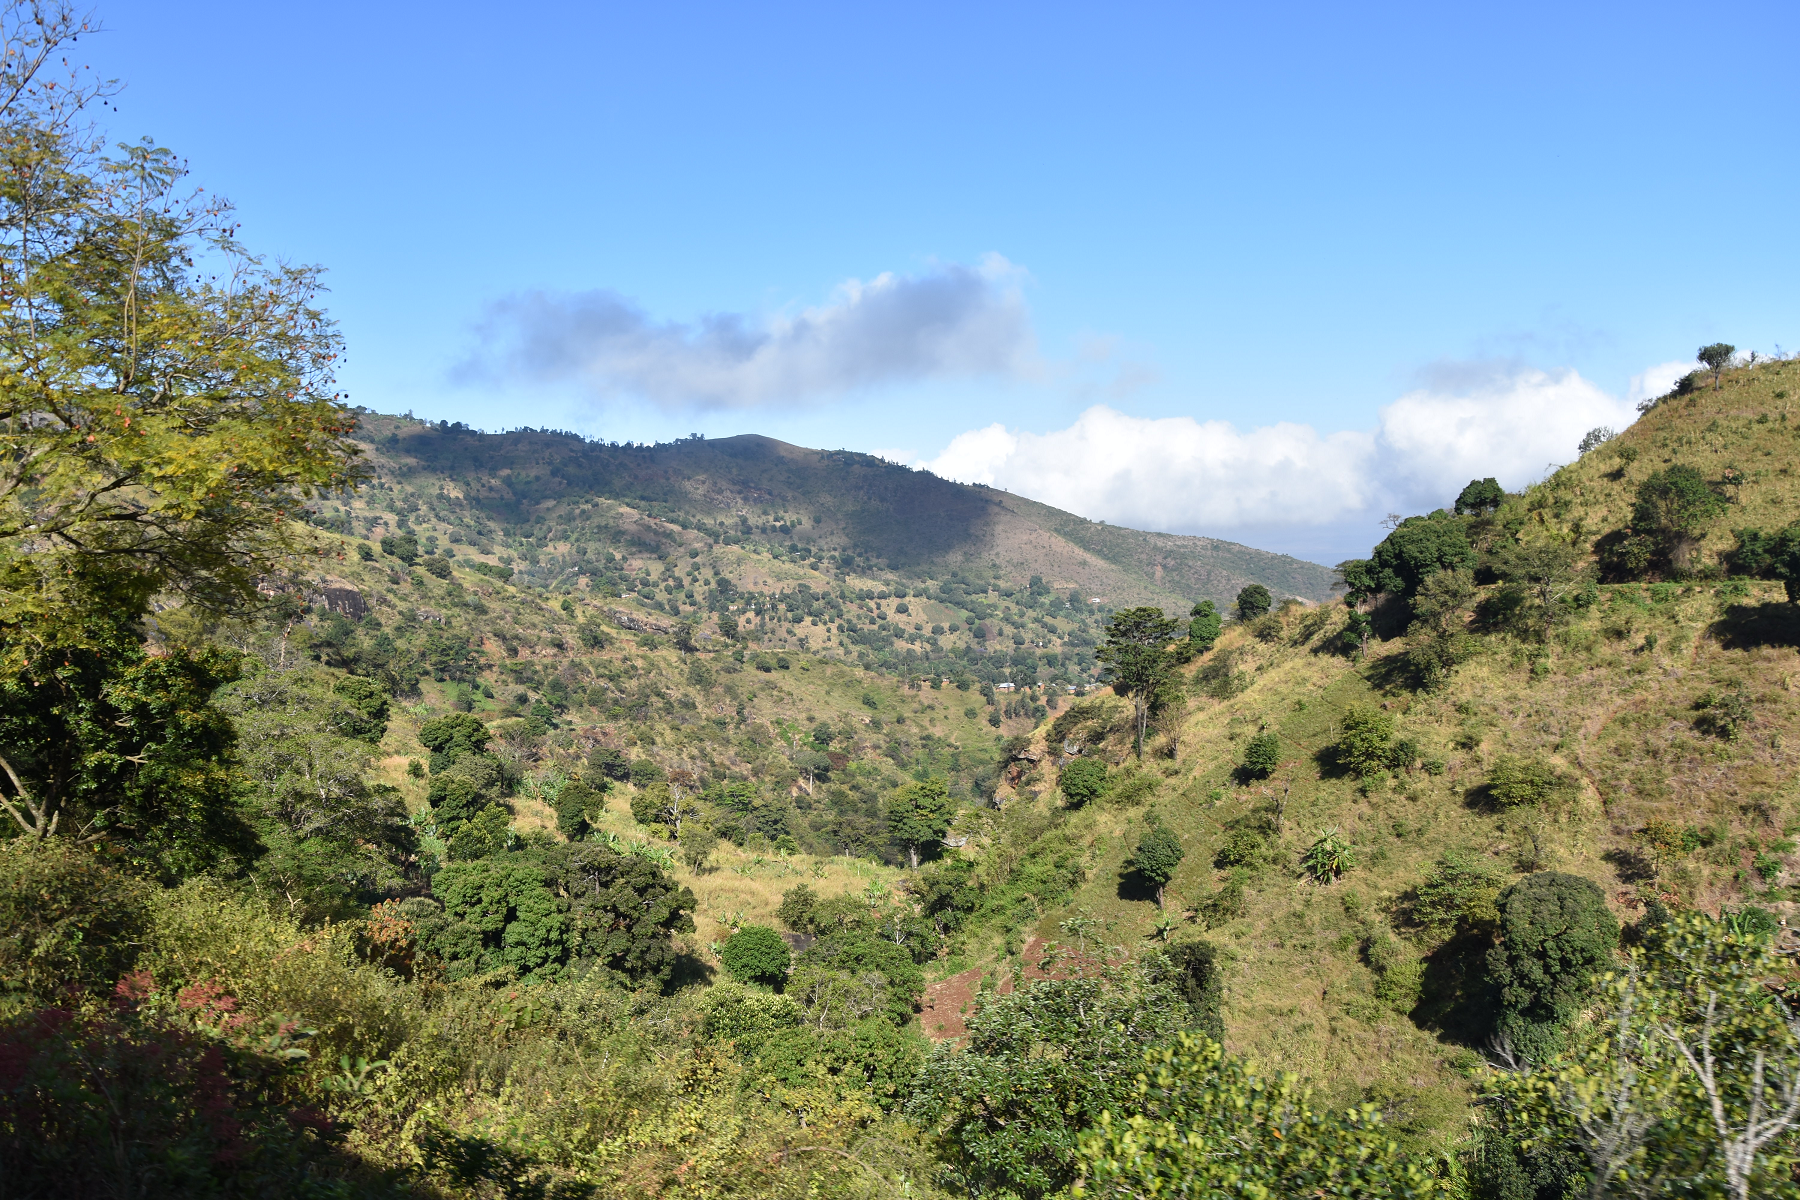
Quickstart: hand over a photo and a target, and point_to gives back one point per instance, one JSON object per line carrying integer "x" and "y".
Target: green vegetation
{"x": 756, "y": 954}
{"x": 410, "y": 811}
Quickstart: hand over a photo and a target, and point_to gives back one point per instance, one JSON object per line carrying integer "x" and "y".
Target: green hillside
{"x": 850, "y": 512}
{"x": 575, "y": 819}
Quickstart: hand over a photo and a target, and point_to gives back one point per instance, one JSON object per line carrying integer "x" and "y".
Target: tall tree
{"x": 1253, "y": 601}
{"x": 919, "y": 816}
{"x": 1204, "y": 626}
{"x": 1137, "y": 658}
{"x": 1716, "y": 357}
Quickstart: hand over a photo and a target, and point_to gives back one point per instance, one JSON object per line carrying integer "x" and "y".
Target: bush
{"x": 756, "y": 954}
{"x": 1366, "y": 745}
{"x": 1244, "y": 847}
{"x": 436, "y": 565}
{"x": 403, "y": 546}
{"x": 1082, "y": 781}
{"x": 68, "y": 921}
{"x": 1517, "y": 782}
{"x": 1461, "y": 891}
{"x": 1261, "y": 756}
{"x": 1197, "y": 976}
{"x": 798, "y": 905}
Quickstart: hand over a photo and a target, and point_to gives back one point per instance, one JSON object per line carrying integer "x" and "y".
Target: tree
{"x": 1253, "y": 601}
{"x": 1716, "y": 357}
{"x": 1157, "y": 856}
{"x": 100, "y": 741}
{"x": 1439, "y": 636}
{"x": 1418, "y": 548}
{"x": 1555, "y": 935}
{"x": 1204, "y": 626}
{"x": 919, "y": 815}
{"x": 1202, "y": 1124}
{"x": 1770, "y": 556}
{"x": 1550, "y": 572}
{"x": 161, "y": 424}
{"x": 1686, "y": 1077}
{"x": 1594, "y": 438}
{"x": 577, "y": 803}
{"x": 1137, "y": 658}
{"x": 1480, "y": 497}
{"x": 756, "y": 954}
{"x": 1082, "y": 781}
{"x": 1676, "y": 507}
{"x": 697, "y": 845}
{"x": 1040, "y": 1066}
{"x": 334, "y": 842}
{"x": 1261, "y": 756}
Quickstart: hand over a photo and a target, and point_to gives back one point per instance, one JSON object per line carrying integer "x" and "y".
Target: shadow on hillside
{"x": 1747, "y": 626}
{"x": 1456, "y": 1000}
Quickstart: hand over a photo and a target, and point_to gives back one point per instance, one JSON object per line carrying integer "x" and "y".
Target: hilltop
{"x": 853, "y": 512}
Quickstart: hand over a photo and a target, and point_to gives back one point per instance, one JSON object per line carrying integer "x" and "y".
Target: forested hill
{"x": 854, "y": 510}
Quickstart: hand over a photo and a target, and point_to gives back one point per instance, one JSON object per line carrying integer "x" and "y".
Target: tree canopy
{"x": 1416, "y": 549}
{"x": 1137, "y": 658}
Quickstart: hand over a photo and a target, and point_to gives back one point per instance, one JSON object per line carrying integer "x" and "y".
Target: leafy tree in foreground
{"x": 160, "y": 424}
{"x": 1683, "y": 1079}
{"x": 1202, "y": 1124}
{"x": 1716, "y": 357}
{"x": 1137, "y": 658}
{"x": 1041, "y": 1064}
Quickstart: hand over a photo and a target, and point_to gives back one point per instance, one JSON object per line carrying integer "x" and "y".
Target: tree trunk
{"x": 912, "y": 853}
{"x": 1159, "y": 897}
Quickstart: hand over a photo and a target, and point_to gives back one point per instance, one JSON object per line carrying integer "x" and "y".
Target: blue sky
{"x": 1130, "y": 259}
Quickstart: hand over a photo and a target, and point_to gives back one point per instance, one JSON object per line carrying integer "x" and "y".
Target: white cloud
{"x": 1658, "y": 380}
{"x": 952, "y": 321}
{"x": 1180, "y": 474}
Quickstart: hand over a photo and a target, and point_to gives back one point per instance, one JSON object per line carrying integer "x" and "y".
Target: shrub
{"x": 68, "y": 921}
{"x": 1082, "y": 781}
{"x": 797, "y": 911}
{"x": 1261, "y": 756}
{"x": 1462, "y": 890}
{"x": 1723, "y": 714}
{"x": 756, "y": 954}
{"x": 1520, "y": 782}
{"x": 1399, "y": 972}
{"x": 1244, "y": 847}
{"x": 1366, "y": 744}
{"x": 1197, "y": 976}
{"x": 436, "y": 565}
{"x": 1328, "y": 857}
